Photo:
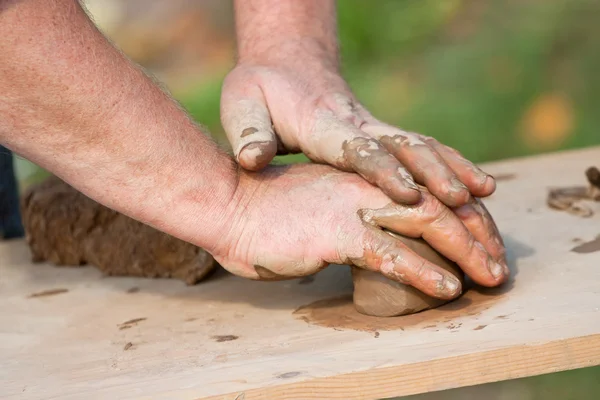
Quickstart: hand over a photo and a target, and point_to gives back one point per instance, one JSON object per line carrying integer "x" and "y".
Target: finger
{"x": 423, "y": 162}
{"x": 444, "y": 231}
{"x": 392, "y": 258}
{"x": 247, "y": 123}
{"x": 347, "y": 147}
{"x": 478, "y": 182}
{"x": 480, "y": 223}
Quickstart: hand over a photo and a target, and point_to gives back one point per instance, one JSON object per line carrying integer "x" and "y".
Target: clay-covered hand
{"x": 291, "y": 221}
{"x": 302, "y": 105}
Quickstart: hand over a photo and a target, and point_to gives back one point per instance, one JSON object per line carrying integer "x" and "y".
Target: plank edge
{"x": 436, "y": 375}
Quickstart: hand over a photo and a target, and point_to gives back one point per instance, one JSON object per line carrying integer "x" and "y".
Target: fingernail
{"x": 451, "y": 285}
{"x": 496, "y": 269}
{"x": 408, "y": 179}
{"x": 457, "y": 185}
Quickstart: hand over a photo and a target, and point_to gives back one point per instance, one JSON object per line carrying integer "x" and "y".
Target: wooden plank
{"x": 230, "y": 338}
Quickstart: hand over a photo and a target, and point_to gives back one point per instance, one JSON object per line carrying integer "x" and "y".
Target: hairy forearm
{"x": 293, "y": 29}
{"x": 76, "y": 106}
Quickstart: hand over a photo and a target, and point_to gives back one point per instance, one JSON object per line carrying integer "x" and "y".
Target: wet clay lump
{"x": 378, "y": 296}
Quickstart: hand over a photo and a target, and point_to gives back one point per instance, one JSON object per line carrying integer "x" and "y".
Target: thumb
{"x": 247, "y": 123}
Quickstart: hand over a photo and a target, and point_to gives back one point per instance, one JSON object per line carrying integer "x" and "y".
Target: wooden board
{"x": 229, "y": 338}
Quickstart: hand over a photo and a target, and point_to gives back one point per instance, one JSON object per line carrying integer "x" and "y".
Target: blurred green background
{"x": 492, "y": 78}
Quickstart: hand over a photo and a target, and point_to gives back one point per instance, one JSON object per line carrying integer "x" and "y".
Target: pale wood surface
{"x": 69, "y": 345}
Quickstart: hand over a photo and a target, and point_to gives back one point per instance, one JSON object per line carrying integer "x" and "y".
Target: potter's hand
{"x": 286, "y": 94}
{"x": 299, "y": 106}
{"x": 291, "y": 221}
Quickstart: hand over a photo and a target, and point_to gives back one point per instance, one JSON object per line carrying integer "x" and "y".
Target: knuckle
{"x": 432, "y": 209}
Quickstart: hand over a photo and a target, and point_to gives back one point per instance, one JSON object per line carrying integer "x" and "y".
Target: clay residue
{"x": 504, "y": 177}
{"x": 480, "y": 327}
{"x": 339, "y": 313}
{"x": 225, "y": 338}
{"x": 127, "y": 346}
{"x": 588, "y": 247}
{"x": 67, "y": 228}
{"x": 46, "y": 293}
{"x": 577, "y": 200}
{"x": 288, "y": 375}
{"x": 130, "y": 323}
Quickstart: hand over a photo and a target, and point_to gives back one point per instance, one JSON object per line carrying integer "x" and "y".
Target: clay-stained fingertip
{"x": 449, "y": 288}
{"x": 489, "y": 186}
{"x": 257, "y": 155}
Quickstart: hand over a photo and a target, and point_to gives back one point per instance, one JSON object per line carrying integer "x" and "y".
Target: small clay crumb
{"x": 288, "y": 375}
{"x": 504, "y": 177}
{"x": 190, "y": 319}
{"x": 531, "y": 319}
{"x": 306, "y": 280}
{"x": 127, "y": 346}
{"x": 225, "y": 338}
{"x": 46, "y": 293}
{"x": 501, "y": 317}
{"x": 454, "y": 326}
{"x": 248, "y": 132}
{"x": 429, "y": 326}
{"x": 133, "y": 290}
{"x": 376, "y": 335}
{"x": 480, "y": 327}
{"x": 130, "y": 323}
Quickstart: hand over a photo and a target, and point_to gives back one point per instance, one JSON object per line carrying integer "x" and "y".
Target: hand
{"x": 300, "y": 104}
{"x": 291, "y": 221}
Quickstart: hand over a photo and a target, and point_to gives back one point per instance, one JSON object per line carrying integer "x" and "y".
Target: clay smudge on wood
{"x": 339, "y": 313}
{"x": 46, "y": 293}
{"x": 288, "y": 375}
{"x": 225, "y": 338}
{"x": 127, "y": 346}
{"x": 480, "y": 327}
{"x": 376, "y": 335}
{"x": 504, "y": 177}
{"x": 588, "y": 247}
{"x": 501, "y": 317}
{"x": 133, "y": 290}
{"x": 130, "y": 323}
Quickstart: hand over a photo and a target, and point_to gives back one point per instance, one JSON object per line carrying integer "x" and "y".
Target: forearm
{"x": 77, "y": 107}
{"x": 289, "y": 29}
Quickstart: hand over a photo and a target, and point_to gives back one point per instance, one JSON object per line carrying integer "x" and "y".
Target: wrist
{"x": 296, "y": 53}
{"x": 278, "y": 30}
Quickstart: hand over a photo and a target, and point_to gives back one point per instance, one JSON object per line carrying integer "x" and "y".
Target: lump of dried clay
{"x": 376, "y": 295}
{"x": 67, "y": 228}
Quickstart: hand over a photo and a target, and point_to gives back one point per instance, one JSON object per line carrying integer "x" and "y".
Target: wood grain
{"x": 230, "y": 338}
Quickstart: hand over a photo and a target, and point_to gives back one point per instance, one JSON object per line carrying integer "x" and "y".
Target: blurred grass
{"x": 580, "y": 384}
{"x": 492, "y": 79}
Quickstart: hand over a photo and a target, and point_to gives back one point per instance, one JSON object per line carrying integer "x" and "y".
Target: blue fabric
{"x": 10, "y": 215}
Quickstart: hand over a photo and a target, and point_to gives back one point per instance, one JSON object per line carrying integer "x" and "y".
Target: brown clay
{"x": 65, "y": 227}
{"x": 376, "y": 295}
